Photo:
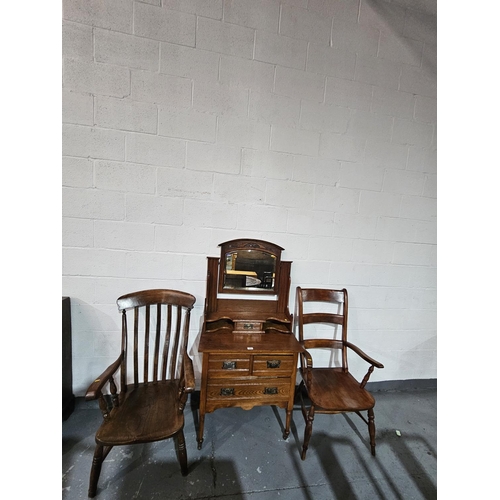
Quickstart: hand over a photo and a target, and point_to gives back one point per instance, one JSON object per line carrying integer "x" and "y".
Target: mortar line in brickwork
{"x": 254, "y": 44}
{"x": 159, "y": 57}
{"x": 133, "y": 18}
{"x": 279, "y": 19}
{"x": 331, "y": 33}
{"x": 93, "y": 44}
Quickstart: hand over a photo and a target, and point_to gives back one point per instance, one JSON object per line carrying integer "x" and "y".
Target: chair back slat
{"x": 146, "y": 344}
{"x": 322, "y": 295}
{"x": 318, "y": 317}
{"x": 175, "y": 346}
{"x": 158, "y": 340}
{"x": 322, "y": 344}
{"x": 166, "y": 343}
{"x": 136, "y": 345}
{"x": 123, "y": 370}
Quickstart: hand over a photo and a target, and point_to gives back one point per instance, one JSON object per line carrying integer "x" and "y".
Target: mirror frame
{"x": 249, "y": 244}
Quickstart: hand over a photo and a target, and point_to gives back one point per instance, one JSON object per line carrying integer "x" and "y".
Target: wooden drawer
{"x": 247, "y": 326}
{"x": 273, "y": 365}
{"x": 262, "y": 390}
{"x": 228, "y": 366}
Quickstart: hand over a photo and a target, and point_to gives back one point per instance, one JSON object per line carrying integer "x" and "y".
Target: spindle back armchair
{"x": 143, "y": 393}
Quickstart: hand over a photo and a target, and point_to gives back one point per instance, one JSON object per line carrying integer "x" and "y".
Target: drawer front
{"x": 261, "y": 390}
{"x": 271, "y": 365}
{"x": 228, "y": 366}
{"x": 248, "y": 326}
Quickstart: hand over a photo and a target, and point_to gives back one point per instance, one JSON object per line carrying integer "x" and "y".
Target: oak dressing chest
{"x": 249, "y": 352}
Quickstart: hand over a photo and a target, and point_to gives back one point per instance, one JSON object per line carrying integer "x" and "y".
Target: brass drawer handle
{"x": 226, "y": 391}
{"x": 270, "y": 390}
{"x": 229, "y": 365}
{"x": 275, "y": 363}
{"x": 248, "y": 326}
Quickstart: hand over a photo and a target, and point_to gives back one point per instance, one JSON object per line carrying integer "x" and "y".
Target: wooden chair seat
{"x": 331, "y": 389}
{"x": 149, "y": 413}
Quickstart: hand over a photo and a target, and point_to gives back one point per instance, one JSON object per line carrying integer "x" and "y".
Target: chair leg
{"x": 308, "y": 431}
{"x": 371, "y": 429}
{"x": 96, "y": 469}
{"x": 181, "y": 451}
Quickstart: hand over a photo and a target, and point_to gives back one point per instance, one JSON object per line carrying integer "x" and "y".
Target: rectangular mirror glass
{"x": 249, "y": 270}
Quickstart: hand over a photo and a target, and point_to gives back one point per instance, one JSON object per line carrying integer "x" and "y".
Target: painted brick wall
{"x": 308, "y": 123}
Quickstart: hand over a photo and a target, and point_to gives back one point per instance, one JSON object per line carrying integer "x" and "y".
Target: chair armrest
{"x": 307, "y": 358}
{"x": 306, "y": 363}
{"x": 367, "y": 358}
{"x": 189, "y": 381}
{"x": 96, "y": 386}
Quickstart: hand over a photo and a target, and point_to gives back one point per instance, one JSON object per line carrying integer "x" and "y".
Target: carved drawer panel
{"x": 271, "y": 389}
{"x": 273, "y": 365}
{"x": 247, "y": 326}
{"x": 221, "y": 365}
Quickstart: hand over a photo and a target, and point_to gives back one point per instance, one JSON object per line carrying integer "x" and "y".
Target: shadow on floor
{"x": 244, "y": 456}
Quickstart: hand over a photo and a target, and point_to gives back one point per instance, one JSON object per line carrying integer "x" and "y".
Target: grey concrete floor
{"x": 245, "y": 457}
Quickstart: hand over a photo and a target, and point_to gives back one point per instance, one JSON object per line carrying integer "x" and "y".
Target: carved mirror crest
{"x": 249, "y": 266}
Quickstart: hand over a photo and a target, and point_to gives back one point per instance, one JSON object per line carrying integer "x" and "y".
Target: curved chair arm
{"x": 306, "y": 362}
{"x": 361, "y": 354}
{"x": 186, "y": 382}
{"x": 189, "y": 381}
{"x": 373, "y": 363}
{"x": 94, "y": 390}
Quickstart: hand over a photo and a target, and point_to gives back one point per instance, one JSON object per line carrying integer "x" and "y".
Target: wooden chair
{"x": 149, "y": 407}
{"x": 331, "y": 389}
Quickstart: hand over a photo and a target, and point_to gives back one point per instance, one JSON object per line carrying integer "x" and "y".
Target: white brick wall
{"x": 308, "y": 123}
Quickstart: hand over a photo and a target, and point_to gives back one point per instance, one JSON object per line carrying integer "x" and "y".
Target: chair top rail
{"x": 155, "y": 296}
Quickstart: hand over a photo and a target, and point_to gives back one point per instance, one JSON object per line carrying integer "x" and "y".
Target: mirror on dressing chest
{"x": 248, "y": 288}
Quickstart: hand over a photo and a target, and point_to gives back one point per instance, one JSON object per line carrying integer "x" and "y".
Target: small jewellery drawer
{"x": 220, "y": 365}
{"x": 269, "y": 365}
{"x": 261, "y": 389}
{"x": 248, "y": 326}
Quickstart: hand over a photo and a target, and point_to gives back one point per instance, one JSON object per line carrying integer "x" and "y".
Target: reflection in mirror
{"x": 249, "y": 269}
